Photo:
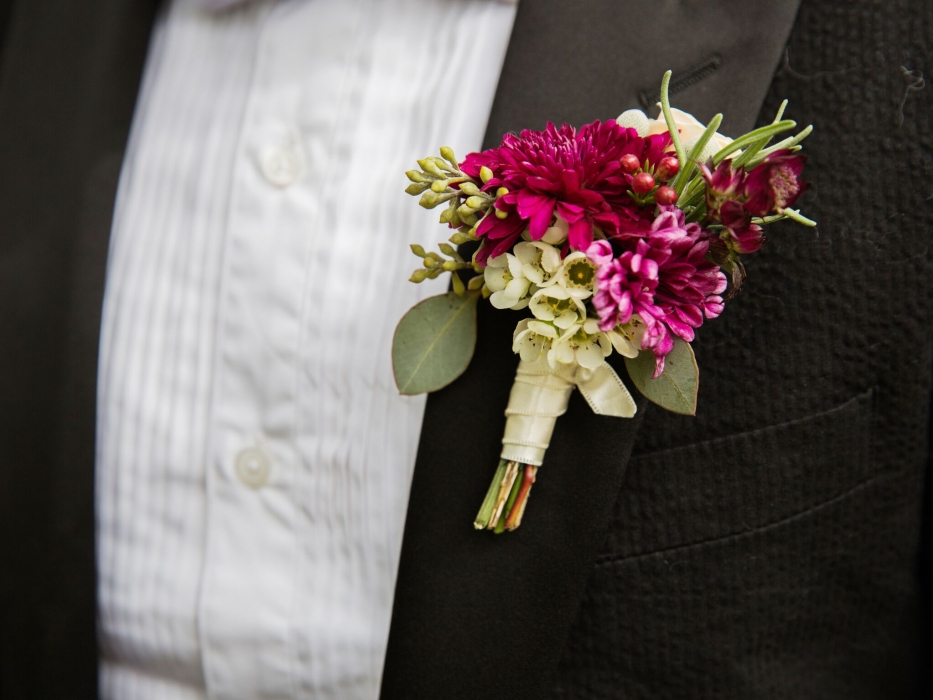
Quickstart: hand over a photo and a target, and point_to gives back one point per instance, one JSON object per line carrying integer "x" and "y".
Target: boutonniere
{"x": 621, "y": 236}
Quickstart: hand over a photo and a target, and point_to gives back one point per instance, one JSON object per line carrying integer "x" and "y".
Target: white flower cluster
{"x": 689, "y": 127}
{"x": 555, "y": 291}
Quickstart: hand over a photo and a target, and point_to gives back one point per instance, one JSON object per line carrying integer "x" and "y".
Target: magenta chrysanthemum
{"x": 574, "y": 174}
{"x": 666, "y": 280}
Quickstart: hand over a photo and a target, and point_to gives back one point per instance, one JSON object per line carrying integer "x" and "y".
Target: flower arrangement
{"x": 622, "y": 236}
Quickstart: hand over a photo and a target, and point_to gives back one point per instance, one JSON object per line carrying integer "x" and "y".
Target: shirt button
{"x": 253, "y": 467}
{"x": 280, "y": 164}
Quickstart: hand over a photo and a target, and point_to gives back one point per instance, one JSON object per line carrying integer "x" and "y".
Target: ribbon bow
{"x": 540, "y": 395}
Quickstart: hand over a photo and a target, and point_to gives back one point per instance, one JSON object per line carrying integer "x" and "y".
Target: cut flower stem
{"x": 507, "y": 497}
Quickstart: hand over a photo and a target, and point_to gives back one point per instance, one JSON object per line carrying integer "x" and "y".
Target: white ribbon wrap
{"x": 540, "y": 394}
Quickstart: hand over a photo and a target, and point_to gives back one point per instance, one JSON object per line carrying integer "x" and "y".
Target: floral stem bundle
{"x": 623, "y": 236}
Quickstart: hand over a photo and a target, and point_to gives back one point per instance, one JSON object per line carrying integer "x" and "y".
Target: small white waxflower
{"x": 577, "y": 276}
{"x": 533, "y": 338}
{"x": 505, "y": 278}
{"x": 555, "y": 305}
{"x": 583, "y": 343}
{"x": 539, "y": 260}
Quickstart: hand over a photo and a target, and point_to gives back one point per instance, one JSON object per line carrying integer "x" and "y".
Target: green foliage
{"x": 434, "y": 343}
{"x": 676, "y": 388}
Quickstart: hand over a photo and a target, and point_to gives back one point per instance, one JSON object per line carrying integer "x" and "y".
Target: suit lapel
{"x": 482, "y": 616}
{"x": 70, "y": 73}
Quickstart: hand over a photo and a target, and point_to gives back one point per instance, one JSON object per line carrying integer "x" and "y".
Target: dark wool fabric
{"x": 767, "y": 547}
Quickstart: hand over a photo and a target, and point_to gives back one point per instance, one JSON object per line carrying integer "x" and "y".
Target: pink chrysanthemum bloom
{"x": 664, "y": 278}
{"x": 570, "y": 173}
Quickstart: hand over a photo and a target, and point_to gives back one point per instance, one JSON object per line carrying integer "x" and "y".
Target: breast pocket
{"x": 771, "y": 564}
{"x": 727, "y": 486}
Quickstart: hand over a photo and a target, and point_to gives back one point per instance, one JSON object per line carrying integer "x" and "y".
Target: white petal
{"x": 566, "y": 319}
{"x": 541, "y": 309}
{"x": 545, "y": 329}
{"x": 563, "y": 352}
{"x": 555, "y": 292}
{"x": 501, "y": 300}
{"x": 515, "y": 266}
{"x": 498, "y": 261}
{"x": 590, "y": 355}
{"x": 605, "y": 345}
{"x": 532, "y": 272}
{"x": 529, "y": 350}
{"x": 494, "y": 278}
{"x": 550, "y": 259}
{"x": 520, "y": 328}
{"x": 622, "y": 345}
{"x": 526, "y": 252}
{"x": 591, "y": 326}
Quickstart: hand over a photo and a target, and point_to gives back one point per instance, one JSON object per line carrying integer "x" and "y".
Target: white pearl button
{"x": 280, "y": 164}
{"x": 253, "y": 467}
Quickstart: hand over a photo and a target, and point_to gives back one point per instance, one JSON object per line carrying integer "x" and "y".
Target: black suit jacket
{"x": 770, "y": 547}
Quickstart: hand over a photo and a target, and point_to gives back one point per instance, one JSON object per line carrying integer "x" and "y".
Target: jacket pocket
{"x": 728, "y": 486}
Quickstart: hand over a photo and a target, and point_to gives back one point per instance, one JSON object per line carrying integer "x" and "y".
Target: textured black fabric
{"x": 69, "y": 72}
{"x": 767, "y": 548}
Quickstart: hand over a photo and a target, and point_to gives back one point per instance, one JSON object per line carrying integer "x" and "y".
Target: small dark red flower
{"x": 775, "y": 184}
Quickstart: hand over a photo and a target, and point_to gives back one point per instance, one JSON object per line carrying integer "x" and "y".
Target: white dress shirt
{"x": 254, "y": 455}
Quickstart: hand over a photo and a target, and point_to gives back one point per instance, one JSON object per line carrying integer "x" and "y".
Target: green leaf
{"x": 434, "y": 343}
{"x": 676, "y": 388}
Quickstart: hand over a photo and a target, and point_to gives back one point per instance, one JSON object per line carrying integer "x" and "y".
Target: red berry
{"x": 630, "y": 163}
{"x": 668, "y": 167}
{"x": 665, "y": 195}
{"x": 643, "y": 183}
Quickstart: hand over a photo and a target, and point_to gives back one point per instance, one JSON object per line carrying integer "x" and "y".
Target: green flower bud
{"x": 471, "y": 220}
{"x": 450, "y": 265}
{"x": 475, "y": 283}
{"x": 429, "y": 166}
{"x": 502, "y": 191}
{"x": 459, "y": 239}
{"x": 464, "y": 210}
{"x": 418, "y": 276}
{"x": 457, "y": 283}
{"x": 417, "y": 250}
{"x": 501, "y": 215}
{"x": 429, "y": 200}
{"x": 445, "y": 216}
{"x": 447, "y": 249}
{"x": 449, "y": 156}
{"x": 430, "y": 263}
{"x": 415, "y": 176}
{"x": 485, "y": 174}
{"x": 439, "y": 186}
{"x": 417, "y": 188}
{"x": 476, "y": 202}
{"x": 468, "y": 188}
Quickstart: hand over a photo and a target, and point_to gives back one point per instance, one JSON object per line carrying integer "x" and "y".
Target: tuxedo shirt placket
{"x": 258, "y": 268}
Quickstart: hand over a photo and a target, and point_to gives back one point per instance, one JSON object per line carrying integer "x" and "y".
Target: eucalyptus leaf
{"x": 434, "y": 343}
{"x": 676, "y": 388}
